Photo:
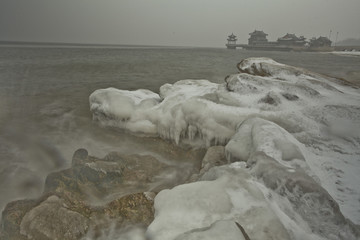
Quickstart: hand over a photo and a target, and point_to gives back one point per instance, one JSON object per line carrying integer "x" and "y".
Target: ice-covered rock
{"x": 132, "y": 112}
{"x": 267, "y": 67}
{"x": 306, "y": 197}
{"x": 306, "y": 123}
{"x": 224, "y": 194}
{"x": 256, "y": 134}
{"x": 198, "y": 110}
{"x": 276, "y": 202}
{"x": 189, "y": 110}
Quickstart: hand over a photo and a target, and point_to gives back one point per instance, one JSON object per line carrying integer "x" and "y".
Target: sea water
{"x": 44, "y": 107}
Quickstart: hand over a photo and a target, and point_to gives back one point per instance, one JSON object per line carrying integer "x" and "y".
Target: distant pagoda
{"x": 231, "y": 41}
{"x": 258, "y": 38}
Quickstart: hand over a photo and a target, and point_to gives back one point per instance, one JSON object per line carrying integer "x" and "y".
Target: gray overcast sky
{"x": 174, "y": 22}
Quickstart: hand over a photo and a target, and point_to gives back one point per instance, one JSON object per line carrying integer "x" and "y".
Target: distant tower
{"x": 231, "y": 41}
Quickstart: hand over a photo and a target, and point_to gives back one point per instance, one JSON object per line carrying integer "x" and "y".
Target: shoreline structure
{"x": 290, "y": 42}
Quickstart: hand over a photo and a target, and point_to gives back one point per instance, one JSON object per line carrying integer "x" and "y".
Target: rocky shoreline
{"x": 64, "y": 211}
{"x": 274, "y": 135}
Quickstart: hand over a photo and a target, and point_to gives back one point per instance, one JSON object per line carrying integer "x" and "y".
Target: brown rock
{"x": 53, "y": 220}
{"x": 59, "y": 217}
{"x": 65, "y": 210}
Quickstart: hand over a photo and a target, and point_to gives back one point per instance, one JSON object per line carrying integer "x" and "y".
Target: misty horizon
{"x": 176, "y": 23}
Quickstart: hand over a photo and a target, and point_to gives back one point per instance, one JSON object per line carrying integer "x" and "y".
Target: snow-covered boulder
{"x": 201, "y": 112}
{"x": 307, "y": 124}
{"x": 302, "y": 199}
{"x": 224, "y": 194}
{"x": 131, "y": 114}
{"x": 256, "y": 134}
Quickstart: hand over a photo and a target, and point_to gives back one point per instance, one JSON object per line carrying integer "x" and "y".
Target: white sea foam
{"x": 347, "y": 53}
{"x": 281, "y": 120}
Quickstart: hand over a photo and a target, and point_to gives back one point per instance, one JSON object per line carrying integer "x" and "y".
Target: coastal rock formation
{"x": 56, "y": 216}
{"x": 201, "y": 112}
{"x": 272, "y": 189}
{"x": 256, "y": 134}
{"x": 93, "y": 177}
{"x": 266, "y": 67}
{"x": 67, "y": 211}
{"x": 308, "y": 199}
{"x": 53, "y": 220}
{"x": 281, "y": 163}
{"x": 306, "y": 126}
{"x": 223, "y": 193}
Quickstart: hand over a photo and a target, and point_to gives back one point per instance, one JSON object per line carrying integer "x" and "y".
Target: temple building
{"x": 292, "y": 40}
{"x": 320, "y": 42}
{"x": 232, "y": 39}
{"x": 258, "y": 38}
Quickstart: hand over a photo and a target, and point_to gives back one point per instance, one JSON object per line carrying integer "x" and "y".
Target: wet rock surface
{"x": 91, "y": 177}
{"x": 53, "y": 219}
{"x": 60, "y": 217}
{"x": 67, "y": 208}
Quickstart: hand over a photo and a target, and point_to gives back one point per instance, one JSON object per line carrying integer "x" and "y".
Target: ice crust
{"x": 298, "y": 133}
{"x": 202, "y": 205}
